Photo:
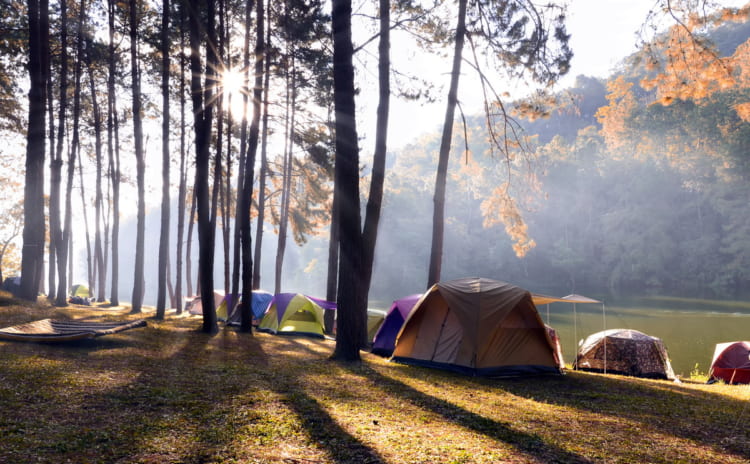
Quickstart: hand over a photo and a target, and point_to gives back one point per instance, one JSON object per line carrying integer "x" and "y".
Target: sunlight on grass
{"x": 168, "y": 393}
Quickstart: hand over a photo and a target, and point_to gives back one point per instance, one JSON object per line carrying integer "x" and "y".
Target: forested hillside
{"x": 631, "y": 196}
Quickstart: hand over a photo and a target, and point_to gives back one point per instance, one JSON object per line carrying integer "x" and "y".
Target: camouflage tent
{"x": 624, "y": 352}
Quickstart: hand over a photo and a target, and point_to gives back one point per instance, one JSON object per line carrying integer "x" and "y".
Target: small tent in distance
{"x": 375, "y": 319}
{"x": 477, "y": 326}
{"x": 385, "y": 339}
{"x": 731, "y": 363}
{"x": 80, "y": 290}
{"x": 294, "y": 313}
{"x": 194, "y": 304}
{"x": 624, "y": 352}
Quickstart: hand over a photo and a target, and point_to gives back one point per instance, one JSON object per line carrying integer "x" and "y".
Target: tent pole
{"x": 575, "y": 331}
{"x": 604, "y": 324}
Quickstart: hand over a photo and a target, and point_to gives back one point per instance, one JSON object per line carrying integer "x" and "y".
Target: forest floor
{"x": 168, "y": 393}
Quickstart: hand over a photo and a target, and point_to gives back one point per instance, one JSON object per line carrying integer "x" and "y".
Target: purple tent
{"x": 385, "y": 340}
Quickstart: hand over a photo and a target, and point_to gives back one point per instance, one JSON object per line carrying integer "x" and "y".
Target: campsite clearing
{"x": 167, "y": 393}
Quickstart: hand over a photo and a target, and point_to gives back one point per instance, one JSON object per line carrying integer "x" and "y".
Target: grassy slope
{"x": 169, "y": 394}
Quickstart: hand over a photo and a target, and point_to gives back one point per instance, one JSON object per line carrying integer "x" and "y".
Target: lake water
{"x": 689, "y": 328}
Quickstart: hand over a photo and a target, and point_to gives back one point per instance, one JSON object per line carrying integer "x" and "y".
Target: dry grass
{"x": 170, "y": 394}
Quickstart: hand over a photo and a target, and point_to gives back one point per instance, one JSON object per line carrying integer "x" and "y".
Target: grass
{"x": 170, "y": 394}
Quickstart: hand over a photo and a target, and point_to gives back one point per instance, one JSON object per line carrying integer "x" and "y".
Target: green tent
{"x": 294, "y": 313}
{"x": 80, "y": 290}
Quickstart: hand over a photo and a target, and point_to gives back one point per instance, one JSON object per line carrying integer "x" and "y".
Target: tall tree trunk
{"x": 183, "y": 176}
{"x": 438, "y": 216}
{"x": 332, "y": 279}
{"x": 51, "y": 258}
{"x": 237, "y": 252}
{"x": 286, "y": 190}
{"x": 75, "y": 143}
{"x": 375, "y": 199}
{"x": 114, "y": 297}
{"x": 84, "y": 210}
{"x": 247, "y": 194}
{"x": 161, "y": 295}
{"x": 189, "y": 248}
{"x": 226, "y": 188}
{"x": 33, "y": 231}
{"x": 203, "y": 113}
{"x": 263, "y": 165}
{"x": 100, "y": 271}
{"x": 138, "y": 278}
{"x": 60, "y": 247}
{"x": 351, "y": 323}
{"x": 113, "y": 153}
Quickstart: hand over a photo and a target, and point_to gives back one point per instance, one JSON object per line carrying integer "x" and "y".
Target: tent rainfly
{"x": 731, "y": 363}
{"x": 477, "y": 326}
{"x": 624, "y": 352}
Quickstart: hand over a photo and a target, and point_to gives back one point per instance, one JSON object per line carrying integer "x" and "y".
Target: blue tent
{"x": 385, "y": 338}
{"x": 261, "y": 301}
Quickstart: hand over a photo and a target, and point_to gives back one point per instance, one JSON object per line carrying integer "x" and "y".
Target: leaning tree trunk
{"x": 351, "y": 324}
{"x": 438, "y": 215}
{"x": 375, "y": 199}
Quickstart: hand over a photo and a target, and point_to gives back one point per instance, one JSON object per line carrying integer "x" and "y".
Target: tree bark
{"x": 375, "y": 198}
{"x": 182, "y": 193}
{"x": 99, "y": 272}
{"x": 286, "y": 191}
{"x": 138, "y": 278}
{"x": 237, "y": 252}
{"x": 247, "y": 194}
{"x": 56, "y": 234}
{"x": 351, "y": 324}
{"x": 438, "y": 216}
{"x": 33, "y": 231}
{"x": 263, "y": 167}
{"x": 203, "y": 115}
{"x": 113, "y": 153}
{"x": 161, "y": 295}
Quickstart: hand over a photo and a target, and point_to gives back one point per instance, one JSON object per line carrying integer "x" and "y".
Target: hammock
{"x": 51, "y": 330}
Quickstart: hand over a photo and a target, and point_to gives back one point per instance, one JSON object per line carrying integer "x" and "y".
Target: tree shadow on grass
{"x": 529, "y": 444}
{"x": 710, "y": 419}
{"x": 323, "y": 429}
{"x": 164, "y": 396}
{"x": 320, "y": 426}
